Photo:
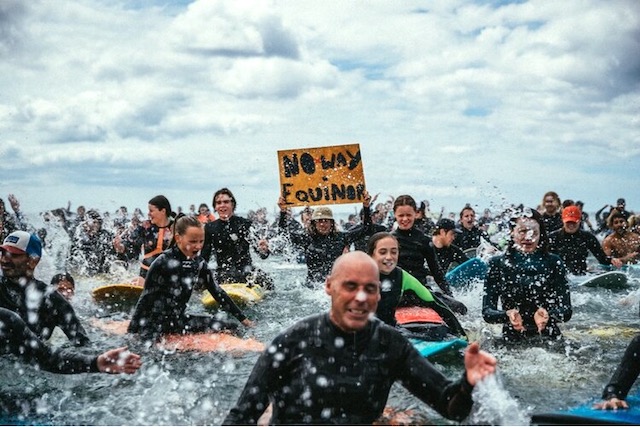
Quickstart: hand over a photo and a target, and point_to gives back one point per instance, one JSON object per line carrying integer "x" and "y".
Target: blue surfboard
{"x": 586, "y": 415}
{"x": 434, "y": 348}
{"x": 467, "y": 272}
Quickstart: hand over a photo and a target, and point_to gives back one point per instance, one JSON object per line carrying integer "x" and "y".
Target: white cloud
{"x": 451, "y": 100}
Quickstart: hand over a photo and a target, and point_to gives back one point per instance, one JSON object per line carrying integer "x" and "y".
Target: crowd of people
{"x": 393, "y": 254}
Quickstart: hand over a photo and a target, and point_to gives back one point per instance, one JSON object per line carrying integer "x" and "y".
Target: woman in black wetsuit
{"x": 321, "y": 242}
{"x": 529, "y": 282}
{"x": 551, "y": 213}
{"x": 154, "y": 238}
{"x": 170, "y": 283}
{"x": 415, "y": 249}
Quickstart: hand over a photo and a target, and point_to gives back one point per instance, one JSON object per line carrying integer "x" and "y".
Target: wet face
{"x": 190, "y": 243}
{"x": 158, "y": 217}
{"x": 619, "y": 225}
{"x": 405, "y": 216}
{"x": 385, "y": 254}
{"x": 448, "y": 237}
{"x": 224, "y": 206}
{"x": 324, "y": 226}
{"x": 66, "y": 289}
{"x": 354, "y": 287}
{"x": 526, "y": 235}
{"x": 571, "y": 227}
{"x": 468, "y": 219}
{"x": 15, "y": 266}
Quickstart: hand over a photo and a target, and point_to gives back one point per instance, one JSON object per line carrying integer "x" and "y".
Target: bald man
{"x": 338, "y": 367}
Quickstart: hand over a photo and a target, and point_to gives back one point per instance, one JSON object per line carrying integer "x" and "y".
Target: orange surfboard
{"x": 202, "y": 342}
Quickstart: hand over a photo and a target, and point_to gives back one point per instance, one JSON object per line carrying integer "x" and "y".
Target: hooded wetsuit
{"x": 574, "y": 249}
{"x": 526, "y": 282}
{"x": 315, "y": 373}
{"x": 16, "y": 338}
{"x": 42, "y": 308}
{"x": 167, "y": 289}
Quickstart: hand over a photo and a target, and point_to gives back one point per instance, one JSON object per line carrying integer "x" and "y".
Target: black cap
{"x": 620, "y": 202}
{"x": 446, "y": 224}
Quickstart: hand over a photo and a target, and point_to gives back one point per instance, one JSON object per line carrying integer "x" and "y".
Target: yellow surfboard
{"x": 117, "y": 292}
{"x": 240, "y": 293}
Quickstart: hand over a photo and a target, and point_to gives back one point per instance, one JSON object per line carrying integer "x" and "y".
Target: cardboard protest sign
{"x": 322, "y": 175}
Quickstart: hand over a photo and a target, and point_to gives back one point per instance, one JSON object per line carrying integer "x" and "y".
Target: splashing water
{"x": 495, "y": 406}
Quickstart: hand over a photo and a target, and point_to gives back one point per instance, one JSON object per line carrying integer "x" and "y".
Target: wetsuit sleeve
{"x": 221, "y": 296}
{"x": 626, "y": 373}
{"x": 562, "y": 310}
{"x": 492, "y": 286}
{"x": 596, "y": 249}
{"x": 207, "y": 246}
{"x": 298, "y": 237}
{"x": 68, "y": 321}
{"x": 434, "y": 267}
{"x": 19, "y": 340}
{"x": 360, "y": 231}
{"x": 411, "y": 283}
{"x": 451, "y": 399}
{"x": 254, "y": 398}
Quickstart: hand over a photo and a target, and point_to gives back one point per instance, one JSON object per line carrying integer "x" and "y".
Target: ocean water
{"x": 199, "y": 388}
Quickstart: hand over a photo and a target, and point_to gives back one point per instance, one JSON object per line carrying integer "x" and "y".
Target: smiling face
{"x": 323, "y": 226}
{"x": 158, "y": 217}
{"x": 551, "y": 204}
{"x": 385, "y": 254}
{"x": 15, "y": 266}
{"x": 354, "y": 287}
{"x": 405, "y": 216}
{"x": 526, "y": 235}
{"x": 191, "y": 241}
{"x": 223, "y": 204}
{"x": 571, "y": 227}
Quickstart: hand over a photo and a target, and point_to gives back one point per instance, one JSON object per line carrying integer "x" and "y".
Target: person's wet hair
{"x": 373, "y": 240}
{"x": 228, "y": 192}
{"x": 404, "y": 200}
{"x": 161, "y": 202}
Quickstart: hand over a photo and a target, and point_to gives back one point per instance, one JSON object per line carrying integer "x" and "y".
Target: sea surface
{"x": 199, "y": 388}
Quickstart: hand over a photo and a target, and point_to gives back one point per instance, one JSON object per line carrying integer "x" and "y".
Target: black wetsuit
{"x": 169, "y": 284}
{"x": 42, "y": 308}
{"x": 314, "y": 373}
{"x": 526, "y": 282}
{"x": 552, "y": 223}
{"x": 16, "y": 338}
{"x": 153, "y": 242}
{"x": 361, "y": 243}
{"x": 447, "y": 255}
{"x": 399, "y": 289}
{"x": 626, "y": 373}
{"x": 320, "y": 251}
{"x": 415, "y": 249}
{"x": 231, "y": 241}
{"x": 468, "y": 239}
{"x": 574, "y": 249}
{"x": 92, "y": 253}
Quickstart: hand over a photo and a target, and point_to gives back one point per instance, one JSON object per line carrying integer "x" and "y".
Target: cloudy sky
{"x": 107, "y": 102}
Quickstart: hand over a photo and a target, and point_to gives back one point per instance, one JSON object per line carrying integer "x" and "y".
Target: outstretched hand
{"x": 478, "y": 363}
{"x": 613, "y": 403}
{"x": 118, "y": 361}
